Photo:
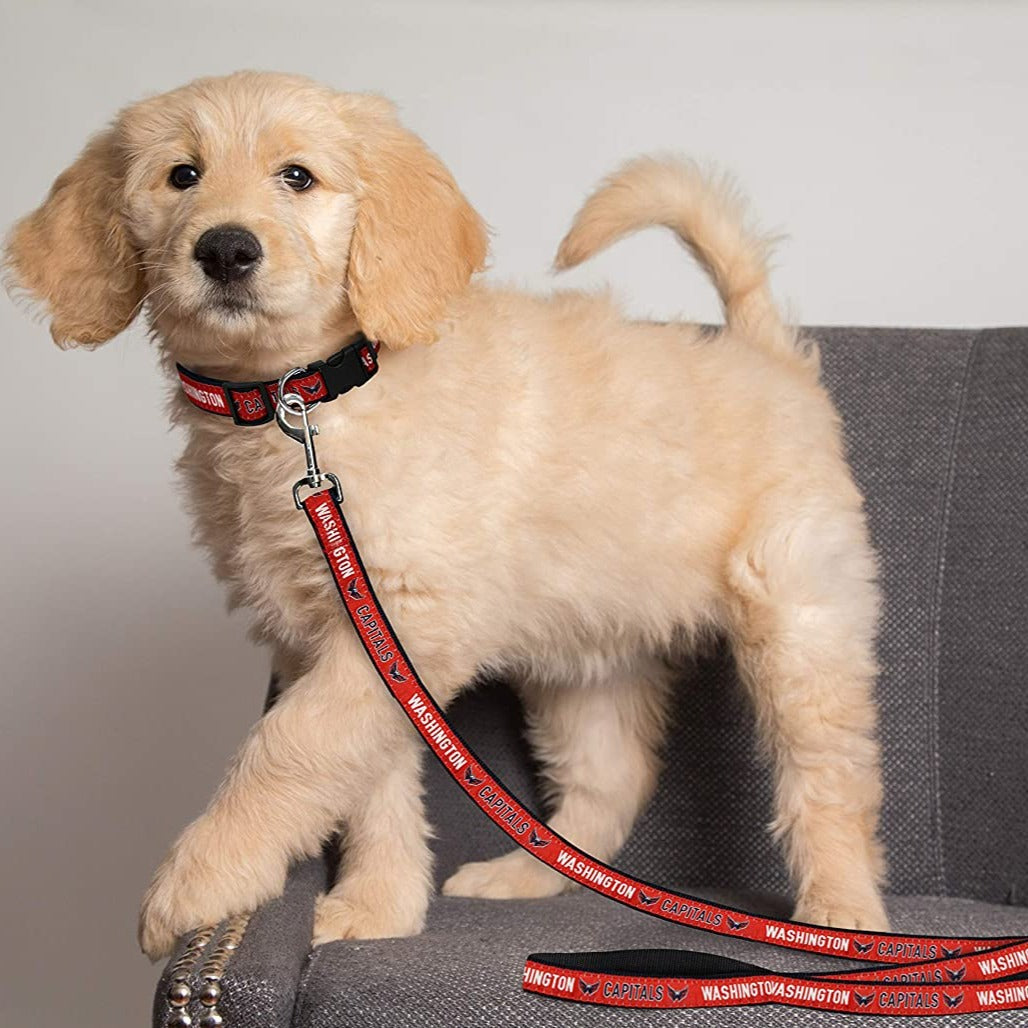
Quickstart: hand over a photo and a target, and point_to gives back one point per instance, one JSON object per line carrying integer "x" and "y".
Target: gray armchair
{"x": 937, "y": 424}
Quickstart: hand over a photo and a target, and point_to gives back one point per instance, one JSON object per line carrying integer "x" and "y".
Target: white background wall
{"x": 887, "y": 139}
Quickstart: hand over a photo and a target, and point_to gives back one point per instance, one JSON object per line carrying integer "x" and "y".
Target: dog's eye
{"x": 296, "y": 177}
{"x": 183, "y": 176}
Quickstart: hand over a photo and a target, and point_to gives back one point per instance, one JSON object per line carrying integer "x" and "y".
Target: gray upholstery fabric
{"x": 982, "y": 634}
{"x": 466, "y": 968}
{"x": 899, "y": 393}
{"x": 937, "y": 426}
{"x": 262, "y": 977}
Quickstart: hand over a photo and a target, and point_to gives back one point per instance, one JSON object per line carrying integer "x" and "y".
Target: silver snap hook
{"x": 292, "y": 405}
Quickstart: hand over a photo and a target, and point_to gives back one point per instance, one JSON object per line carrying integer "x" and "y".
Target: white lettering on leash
{"x": 998, "y": 997}
{"x": 802, "y": 937}
{"x": 436, "y": 732}
{"x": 1004, "y": 962}
{"x": 590, "y": 873}
{"x": 549, "y": 980}
{"x": 341, "y": 561}
{"x": 762, "y": 988}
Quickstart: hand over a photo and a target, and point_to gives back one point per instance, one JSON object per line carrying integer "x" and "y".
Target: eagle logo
{"x": 949, "y": 954}
{"x": 953, "y": 1001}
{"x": 958, "y": 974}
{"x": 737, "y": 926}
{"x": 537, "y": 840}
{"x": 353, "y": 592}
{"x": 588, "y": 988}
{"x": 470, "y": 778}
{"x": 647, "y": 901}
{"x": 677, "y": 995}
{"x": 862, "y": 947}
{"x": 863, "y": 1001}
{"x": 395, "y": 674}
{"x": 310, "y": 388}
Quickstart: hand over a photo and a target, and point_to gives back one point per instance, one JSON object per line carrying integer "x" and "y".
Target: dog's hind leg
{"x": 805, "y": 615}
{"x": 597, "y": 746}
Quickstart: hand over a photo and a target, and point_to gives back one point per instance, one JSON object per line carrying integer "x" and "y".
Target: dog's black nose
{"x": 227, "y": 253}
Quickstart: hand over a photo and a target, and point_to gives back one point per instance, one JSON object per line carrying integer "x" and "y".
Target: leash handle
{"x": 914, "y": 975}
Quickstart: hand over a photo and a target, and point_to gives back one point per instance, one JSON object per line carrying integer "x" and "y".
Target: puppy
{"x": 540, "y": 488}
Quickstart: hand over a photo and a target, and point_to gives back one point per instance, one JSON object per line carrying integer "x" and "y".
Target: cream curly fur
{"x": 547, "y": 490}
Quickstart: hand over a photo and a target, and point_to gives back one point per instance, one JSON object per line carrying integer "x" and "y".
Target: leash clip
{"x": 292, "y": 404}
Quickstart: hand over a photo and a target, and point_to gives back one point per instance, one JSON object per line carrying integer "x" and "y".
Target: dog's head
{"x": 246, "y": 212}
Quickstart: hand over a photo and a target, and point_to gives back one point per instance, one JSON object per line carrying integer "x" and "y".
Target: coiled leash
{"x": 912, "y": 975}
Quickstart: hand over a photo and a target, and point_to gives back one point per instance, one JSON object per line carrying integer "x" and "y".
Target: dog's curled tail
{"x": 707, "y": 214}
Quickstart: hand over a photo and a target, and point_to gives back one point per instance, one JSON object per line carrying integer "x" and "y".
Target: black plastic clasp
{"x": 351, "y": 367}
{"x": 234, "y": 405}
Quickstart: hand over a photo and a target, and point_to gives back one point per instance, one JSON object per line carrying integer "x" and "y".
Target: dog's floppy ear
{"x": 73, "y": 254}
{"x": 416, "y": 241}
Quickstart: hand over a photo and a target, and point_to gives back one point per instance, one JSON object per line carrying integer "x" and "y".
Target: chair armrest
{"x": 247, "y": 971}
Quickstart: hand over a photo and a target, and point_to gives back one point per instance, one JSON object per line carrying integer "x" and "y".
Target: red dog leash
{"x": 918, "y": 975}
{"x": 912, "y": 975}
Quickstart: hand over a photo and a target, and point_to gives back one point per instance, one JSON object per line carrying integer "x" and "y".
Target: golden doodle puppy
{"x": 539, "y": 487}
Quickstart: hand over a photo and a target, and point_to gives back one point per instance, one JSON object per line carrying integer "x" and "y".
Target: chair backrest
{"x": 937, "y": 430}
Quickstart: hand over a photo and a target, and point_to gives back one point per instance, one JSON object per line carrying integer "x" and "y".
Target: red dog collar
{"x": 253, "y": 403}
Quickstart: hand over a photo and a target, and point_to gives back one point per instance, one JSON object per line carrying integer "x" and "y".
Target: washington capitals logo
{"x": 470, "y": 778}
{"x": 588, "y": 988}
{"x": 677, "y": 995}
{"x": 353, "y": 592}
{"x": 949, "y": 954}
{"x": 647, "y": 901}
{"x": 863, "y": 1001}
{"x": 953, "y": 1001}
{"x": 537, "y": 840}
{"x": 395, "y": 673}
{"x": 958, "y": 974}
{"x": 310, "y": 388}
{"x": 862, "y": 947}
{"x": 738, "y": 926}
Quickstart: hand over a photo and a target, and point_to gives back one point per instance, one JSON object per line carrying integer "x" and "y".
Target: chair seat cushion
{"x": 466, "y": 968}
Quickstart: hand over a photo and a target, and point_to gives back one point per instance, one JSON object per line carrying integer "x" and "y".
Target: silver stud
{"x": 179, "y": 994}
{"x": 180, "y": 1019}
{"x": 212, "y": 1020}
{"x": 210, "y": 994}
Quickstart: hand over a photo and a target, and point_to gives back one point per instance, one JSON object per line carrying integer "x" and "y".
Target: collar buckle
{"x": 350, "y": 367}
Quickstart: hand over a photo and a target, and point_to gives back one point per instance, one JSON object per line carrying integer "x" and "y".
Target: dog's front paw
{"x": 199, "y": 884}
{"x": 349, "y": 917}
{"x": 513, "y": 876}
{"x": 864, "y": 913}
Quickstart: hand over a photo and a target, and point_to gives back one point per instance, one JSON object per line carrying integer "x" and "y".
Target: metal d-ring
{"x": 293, "y": 405}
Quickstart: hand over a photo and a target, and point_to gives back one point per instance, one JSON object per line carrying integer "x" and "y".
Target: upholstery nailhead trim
{"x": 179, "y": 990}
{"x": 214, "y": 969}
{"x": 181, "y": 993}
